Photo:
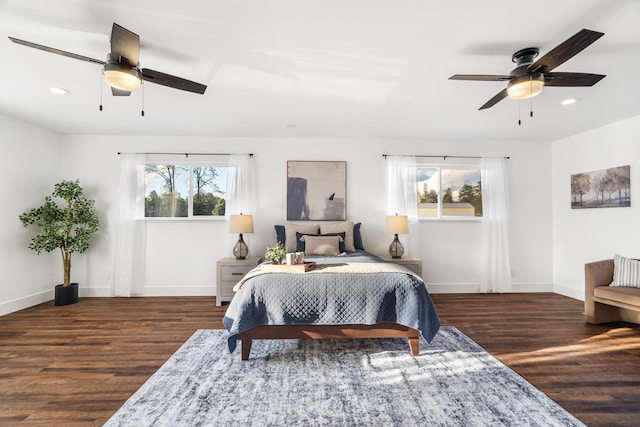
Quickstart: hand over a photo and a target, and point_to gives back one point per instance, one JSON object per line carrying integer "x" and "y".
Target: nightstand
{"x": 229, "y": 273}
{"x": 413, "y": 264}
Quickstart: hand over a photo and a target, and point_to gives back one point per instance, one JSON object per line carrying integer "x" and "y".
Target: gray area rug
{"x": 369, "y": 382}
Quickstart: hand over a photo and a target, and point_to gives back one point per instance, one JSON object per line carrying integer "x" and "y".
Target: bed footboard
{"x": 315, "y": 332}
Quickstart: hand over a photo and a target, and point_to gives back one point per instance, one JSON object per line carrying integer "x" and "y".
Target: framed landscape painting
{"x": 316, "y": 191}
{"x": 606, "y": 188}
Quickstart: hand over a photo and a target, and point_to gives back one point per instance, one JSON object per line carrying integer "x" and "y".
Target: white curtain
{"x": 496, "y": 266}
{"x": 402, "y": 198}
{"x": 129, "y": 271}
{"x": 241, "y": 196}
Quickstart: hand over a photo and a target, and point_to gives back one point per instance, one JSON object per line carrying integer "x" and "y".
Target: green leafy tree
{"x": 422, "y": 196}
{"x": 477, "y": 198}
{"x": 152, "y": 205}
{"x": 427, "y": 196}
{"x": 171, "y": 197}
{"x": 473, "y": 196}
{"x": 465, "y": 195}
{"x": 67, "y": 228}
{"x": 203, "y": 203}
{"x": 220, "y": 207}
{"x": 447, "y": 197}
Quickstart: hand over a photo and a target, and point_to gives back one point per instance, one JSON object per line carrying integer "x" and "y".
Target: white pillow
{"x": 626, "y": 272}
{"x": 321, "y": 245}
{"x": 339, "y": 227}
{"x": 290, "y": 231}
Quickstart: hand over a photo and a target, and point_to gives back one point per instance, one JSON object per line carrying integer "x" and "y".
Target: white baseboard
{"x": 35, "y": 299}
{"x": 95, "y": 292}
{"x": 474, "y": 288}
{"x": 569, "y": 292}
{"x": 179, "y": 291}
{"x": 25, "y": 302}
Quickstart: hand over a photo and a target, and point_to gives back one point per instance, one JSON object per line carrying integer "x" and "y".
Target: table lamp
{"x": 397, "y": 224}
{"x": 240, "y": 224}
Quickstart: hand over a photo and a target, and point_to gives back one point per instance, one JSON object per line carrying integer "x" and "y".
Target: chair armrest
{"x": 599, "y": 273}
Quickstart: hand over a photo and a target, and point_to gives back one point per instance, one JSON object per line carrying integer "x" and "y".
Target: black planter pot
{"x": 66, "y": 295}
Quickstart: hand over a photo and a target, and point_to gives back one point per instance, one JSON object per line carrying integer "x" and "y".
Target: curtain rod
{"x": 189, "y": 154}
{"x": 444, "y": 156}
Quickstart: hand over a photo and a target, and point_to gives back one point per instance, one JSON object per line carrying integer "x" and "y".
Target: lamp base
{"x": 240, "y": 249}
{"x": 396, "y": 250}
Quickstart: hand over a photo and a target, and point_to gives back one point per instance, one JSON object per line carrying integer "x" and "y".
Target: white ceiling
{"x": 292, "y": 68}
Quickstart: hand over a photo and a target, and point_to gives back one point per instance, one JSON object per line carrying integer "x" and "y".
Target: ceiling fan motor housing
{"x": 523, "y": 83}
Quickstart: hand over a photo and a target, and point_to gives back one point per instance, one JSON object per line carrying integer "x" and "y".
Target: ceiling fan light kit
{"x": 122, "y": 77}
{"x": 525, "y": 87}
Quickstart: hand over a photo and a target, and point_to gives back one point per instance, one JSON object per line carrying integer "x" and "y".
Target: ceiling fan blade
{"x": 125, "y": 43}
{"x": 56, "y": 51}
{"x": 493, "y": 101}
{"x": 565, "y": 51}
{"x": 119, "y": 92}
{"x": 481, "y": 77}
{"x": 172, "y": 81}
{"x": 572, "y": 79}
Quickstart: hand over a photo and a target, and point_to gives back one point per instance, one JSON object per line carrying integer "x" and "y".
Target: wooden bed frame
{"x": 316, "y": 332}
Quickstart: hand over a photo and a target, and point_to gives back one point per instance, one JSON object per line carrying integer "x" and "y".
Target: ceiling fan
{"x": 121, "y": 69}
{"x": 529, "y": 77}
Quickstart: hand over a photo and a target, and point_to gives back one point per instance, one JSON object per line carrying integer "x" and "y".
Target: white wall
{"x": 585, "y": 235}
{"x": 30, "y": 167}
{"x": 181, "y": 255}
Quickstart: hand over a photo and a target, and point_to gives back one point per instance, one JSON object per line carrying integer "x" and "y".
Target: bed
{"x": 349, "y": 294}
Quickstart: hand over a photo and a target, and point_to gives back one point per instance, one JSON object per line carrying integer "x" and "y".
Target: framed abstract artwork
{"x": 605, "y": 188}
{"x": 316, "y": 191}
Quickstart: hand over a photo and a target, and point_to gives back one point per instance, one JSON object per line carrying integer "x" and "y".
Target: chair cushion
{"x": 619, "y": 294}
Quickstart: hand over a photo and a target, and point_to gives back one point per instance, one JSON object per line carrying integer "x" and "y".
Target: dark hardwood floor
{"x": 76, "y": 365}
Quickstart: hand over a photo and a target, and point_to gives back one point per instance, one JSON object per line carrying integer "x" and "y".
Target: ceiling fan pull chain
{"x": 531, "y": 98}
{"x": 519, "y": 121}
{"x": 101, "y": 90}
{"x": 142, "y": 111}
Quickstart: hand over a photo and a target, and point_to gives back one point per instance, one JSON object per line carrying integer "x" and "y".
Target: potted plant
{"x": 276, "y": 253}
{"x": 68, "y": 228}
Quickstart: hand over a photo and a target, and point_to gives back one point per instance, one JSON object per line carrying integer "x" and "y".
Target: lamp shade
{"x": 397, "y": 224}
{"x": 241, "y": 223}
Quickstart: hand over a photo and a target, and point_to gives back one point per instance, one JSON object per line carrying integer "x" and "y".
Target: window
{"x": 448, "y": 192}
{"x": 184, "y": 191}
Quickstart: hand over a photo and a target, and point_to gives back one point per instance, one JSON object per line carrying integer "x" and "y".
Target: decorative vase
{"x": 396, "y": 250}
{"x": 65, "y": 295}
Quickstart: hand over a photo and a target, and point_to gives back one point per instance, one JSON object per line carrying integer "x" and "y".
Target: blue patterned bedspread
{"x": 332, "y": 298}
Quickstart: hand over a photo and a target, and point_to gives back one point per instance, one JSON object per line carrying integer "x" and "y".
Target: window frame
{"x": 191, "y": 164}
{"x": 465, "y": 164}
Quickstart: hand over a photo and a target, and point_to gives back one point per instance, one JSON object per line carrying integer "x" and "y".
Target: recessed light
{"x": 59, "y": 91}
{"x": 569, "y": 101}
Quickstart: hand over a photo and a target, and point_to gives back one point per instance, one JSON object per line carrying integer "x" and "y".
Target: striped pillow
{"x": 626, "y": 272}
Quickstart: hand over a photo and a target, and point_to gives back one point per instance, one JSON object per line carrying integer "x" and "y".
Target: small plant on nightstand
{"x": 276, "y": 253}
